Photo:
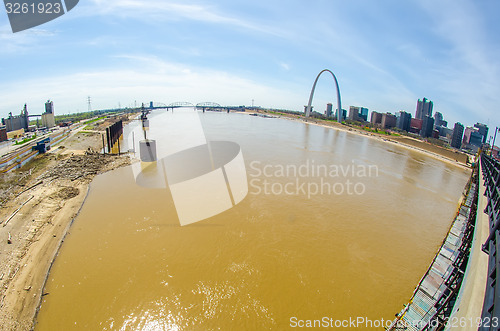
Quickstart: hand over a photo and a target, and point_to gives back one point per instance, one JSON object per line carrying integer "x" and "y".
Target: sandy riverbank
{"x": 50, "y": 195}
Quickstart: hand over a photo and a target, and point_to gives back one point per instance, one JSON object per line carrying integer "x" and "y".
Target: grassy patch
{"x": 94, "y": 120}
{"x": 24, "y": 140}
{"x": 375, "y": 130}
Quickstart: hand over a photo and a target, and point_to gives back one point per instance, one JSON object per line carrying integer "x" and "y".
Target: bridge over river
{"x": 204, "y": 106}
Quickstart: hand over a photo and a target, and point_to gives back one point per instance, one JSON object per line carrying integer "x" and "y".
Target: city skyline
{"x": 386, "y": 55}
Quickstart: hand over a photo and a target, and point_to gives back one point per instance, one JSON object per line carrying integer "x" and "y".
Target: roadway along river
{"x": 357, "y": 249}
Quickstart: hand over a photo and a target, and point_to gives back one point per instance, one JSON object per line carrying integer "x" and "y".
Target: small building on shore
{"x": 15, "y": 134}
{"x": 3, "y": 133}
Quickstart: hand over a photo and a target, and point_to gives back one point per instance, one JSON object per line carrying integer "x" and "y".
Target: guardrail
{"x": 491, "y": 306}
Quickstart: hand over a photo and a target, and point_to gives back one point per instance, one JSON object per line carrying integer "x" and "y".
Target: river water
{"x": 334, "y": 225}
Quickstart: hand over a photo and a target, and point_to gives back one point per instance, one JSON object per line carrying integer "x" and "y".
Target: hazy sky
{"x": 386, "y": 54}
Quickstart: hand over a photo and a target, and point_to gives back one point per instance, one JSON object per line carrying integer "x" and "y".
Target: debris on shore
{"x": 81, "y": 166}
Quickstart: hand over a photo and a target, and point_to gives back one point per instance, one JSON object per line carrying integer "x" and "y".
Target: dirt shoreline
{"x": 48, "y": 202}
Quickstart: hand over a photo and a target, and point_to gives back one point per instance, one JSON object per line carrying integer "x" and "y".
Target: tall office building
{"x": 456, "y": 137}
{"x": 344, "y": 114}
{"x": 483, "y": 130}
{"x": 363, "y": 114}
{"x": 427, "y": 127}
{"x": 404, "y": 121}
{"x": 424, "y": 108}
{"x": 359, "y": 114}
{"x": 472, "y": 138}
{"x": 388, "y": 121}
{"x": 353, "y": 113}
{"x": 329, "y": 110}
{"x": 439, "y": 120}
{"x": 376, "y": 118}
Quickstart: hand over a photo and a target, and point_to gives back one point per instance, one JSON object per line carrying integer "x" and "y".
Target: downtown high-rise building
{"x": 483, "y": 130}
{"x": 427, "y": 127}
{"x": 344, "y": 113}
{"x": 358, "y": 114}
{"x": 424, "y": 108}
{"x": 404, "y": 121}
{"x": 329, "y": 110}
{"x": 456, "y": 137}
{"x": 439, "y": 120}
{"x": 376, "y": 118}
{"x": 472, "y": 138}
{"x": 388, "y": 121}
{"x": 363, "y": 114}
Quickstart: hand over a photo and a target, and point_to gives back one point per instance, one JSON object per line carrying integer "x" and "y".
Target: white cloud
{"x": 21, "y": 41}
{"x": 159, "y": 10}
{"x": 285, "y": 66}
{"x": 468, "y": 75}
{"x": 151, "y": 80}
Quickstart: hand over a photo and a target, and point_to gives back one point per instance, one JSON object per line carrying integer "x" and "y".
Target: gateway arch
{"x": 339, "y": 106}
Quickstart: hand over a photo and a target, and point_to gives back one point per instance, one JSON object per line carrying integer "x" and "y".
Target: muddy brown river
{"x": 334, "y": 225}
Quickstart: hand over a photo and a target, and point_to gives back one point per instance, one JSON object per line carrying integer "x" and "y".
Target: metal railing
{"x": 491, "y": 176}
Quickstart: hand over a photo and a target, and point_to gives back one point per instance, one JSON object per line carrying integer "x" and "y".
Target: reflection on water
{"x": 128, "y": 264}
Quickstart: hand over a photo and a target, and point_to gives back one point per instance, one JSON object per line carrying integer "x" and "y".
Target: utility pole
{"x": 252, "y": 102}
{"x": 89, "y": 103}
{"x": 494, "y": 138}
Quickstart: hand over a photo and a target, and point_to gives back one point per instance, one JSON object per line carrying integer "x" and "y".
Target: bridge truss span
{"x": 180, "y": 104}
{"x": 208, "y": 105}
